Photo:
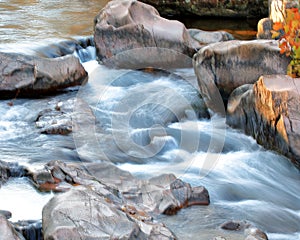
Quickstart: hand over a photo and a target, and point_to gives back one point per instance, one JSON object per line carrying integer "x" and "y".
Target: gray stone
{"x": 23, "y": 75}
{"x": 254, "y": 233}
{"x": 269, "y": 112}
{"x": 6, "y": 214}
{"x": 131, "y": 34}
{"x": 81, "y": 213}
{"x": 56, "y": 120}
{"x": 231, "y": 8}
{"x": 206, "y": 37}
{"x": 222, "y": 67}
{"x": 264, "y": 28}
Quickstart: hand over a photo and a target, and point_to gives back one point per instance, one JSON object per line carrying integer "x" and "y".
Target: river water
{"x": 147, "y": 123}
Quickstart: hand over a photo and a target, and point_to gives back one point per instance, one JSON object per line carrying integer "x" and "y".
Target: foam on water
{"x": 20, "y": 198}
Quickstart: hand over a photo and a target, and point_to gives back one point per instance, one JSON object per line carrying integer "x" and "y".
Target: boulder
{"x": 269, "y": 112}
{"x": 111, "y": 203}
{"x": 264, "y": 28}
{"x": 6, "y": 214}
{"x": 132, "y": 34}
{"x": 7, "y": 231}
{"x": 29, "y": 76}
{"x": 253, "y": 233}
{"x": 230, "y": 8}
{"x": 206, "y": 37}
{"x": 227, "y": 65}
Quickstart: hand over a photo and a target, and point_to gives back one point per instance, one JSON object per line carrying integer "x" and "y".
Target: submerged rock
{"x": 82, "y": 213}
{"x": 227, "y": 65}
{"x": 269, "y": 111}
{"x": 251, "y": 232}
{"x": 23, "y": 75}
{"x": 132, "y": 34}
{"x": 6, "y": 214}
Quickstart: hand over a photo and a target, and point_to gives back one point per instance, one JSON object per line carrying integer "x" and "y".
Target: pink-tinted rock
{"x": 29, "y": 76}
{"x": 224, "y": 66}
{"x": 132, "y": 34}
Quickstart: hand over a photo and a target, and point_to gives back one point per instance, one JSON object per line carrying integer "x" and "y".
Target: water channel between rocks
{"x": 246, "y": 182}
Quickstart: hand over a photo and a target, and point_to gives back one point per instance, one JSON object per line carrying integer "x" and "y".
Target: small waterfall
{"x": 31, "y": 230}
{"x": 83, "y": 48}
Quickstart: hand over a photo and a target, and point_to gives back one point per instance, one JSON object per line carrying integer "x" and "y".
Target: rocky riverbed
{"x": 95, "y": 198}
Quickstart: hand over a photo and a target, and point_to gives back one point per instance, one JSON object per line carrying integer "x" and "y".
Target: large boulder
{"x": 132, "y": 34}
{"x": 110, "y": 202}
{"x": 269, "y": 111}
{"x": 227, "y": 65}
{"x": 24, "y": 75}
{"x": 230, "y": 8}
{"x": 82, "y": 214}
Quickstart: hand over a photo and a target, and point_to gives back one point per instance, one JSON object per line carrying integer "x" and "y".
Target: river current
{"x": 146, "y": 123}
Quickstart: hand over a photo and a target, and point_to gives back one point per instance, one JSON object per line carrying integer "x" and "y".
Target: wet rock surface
{"x": 222, "y": 67}
{"x": 31, "y": 230}
{"x": 10, "y": 169}
{"x": 102, "y": 201}
{"x": 269, "y": 111}
{"x": 250, "y": 231}
{"x": 7, "y": 231}
{"x": 207, "y": 37}
{"x": 132, "y": 34}
{"x": 6, "y": 214}
{"x": 57, "y": 120}
{"x": 30, "y": 76}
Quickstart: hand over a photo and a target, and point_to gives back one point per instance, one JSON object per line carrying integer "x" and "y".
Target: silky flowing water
{"x": 145, "y": 122}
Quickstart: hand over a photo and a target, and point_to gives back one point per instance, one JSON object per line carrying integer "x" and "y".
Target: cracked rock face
{"x": 7, "y": 230}
{"x": 110, "y": 203}
{"x": 22, "y": 75}
{"x": 269, "y": 111}
{"x": 228, "y": 65}
{"x": 137, "y": 31}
